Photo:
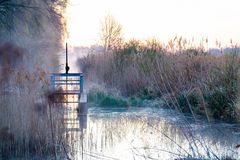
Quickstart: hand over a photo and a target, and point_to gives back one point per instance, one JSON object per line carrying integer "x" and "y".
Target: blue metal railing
{"x": 70, "y": 79}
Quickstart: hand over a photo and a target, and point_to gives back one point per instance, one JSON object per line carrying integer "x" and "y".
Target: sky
{"x": 161, "y": 19}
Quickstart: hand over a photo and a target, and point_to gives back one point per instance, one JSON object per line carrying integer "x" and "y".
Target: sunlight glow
{"x": 162, "y": 19}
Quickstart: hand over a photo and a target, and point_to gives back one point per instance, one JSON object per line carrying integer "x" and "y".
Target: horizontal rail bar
{"x": 66, "y": 75}
{"x": 66, "y": 83}
{"x": 73, "y": 123}
{"x": 64, "y": 80}
{"x": 72, "y": 129}
{"x": 71, "y": 93}
{"x": 68, "y": 102}
{"x": 72, "y": 119}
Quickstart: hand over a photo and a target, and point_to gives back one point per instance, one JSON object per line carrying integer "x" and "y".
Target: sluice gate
{"x": 68, "y": 91}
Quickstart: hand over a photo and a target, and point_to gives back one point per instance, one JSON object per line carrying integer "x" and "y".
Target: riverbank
{"x": 105, "y": 100}
{"x": 189, "y": 80}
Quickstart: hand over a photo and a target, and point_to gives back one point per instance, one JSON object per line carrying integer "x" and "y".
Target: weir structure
{"x": 68, "y": 89}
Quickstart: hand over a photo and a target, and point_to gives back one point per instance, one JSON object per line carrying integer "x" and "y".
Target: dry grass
{"x": 187, "y": 79}
{"x": 29, "y": 122}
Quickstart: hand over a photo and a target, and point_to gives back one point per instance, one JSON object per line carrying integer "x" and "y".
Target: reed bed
{"x": 189, "y": 79}
{"x": 31, "y": 125}
{"x": 31, "y": 33}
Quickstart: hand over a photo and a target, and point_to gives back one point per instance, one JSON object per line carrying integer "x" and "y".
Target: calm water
{"x": 145, "y": 133}
{"x": 139, "y": 134}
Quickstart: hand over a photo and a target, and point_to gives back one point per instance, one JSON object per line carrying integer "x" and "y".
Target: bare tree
{"x": 110, "y": 33}
{"x": 32, "y": 15}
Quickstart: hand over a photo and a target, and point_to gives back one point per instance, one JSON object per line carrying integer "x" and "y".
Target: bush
{"x": 220, "y": 105}
{"x": 113, "y": 101}
{"x": 148, "y": 70}
{"x": 135, "y": 101}
{"x": 188, "y": 102}
{"x": 105, "y": 100}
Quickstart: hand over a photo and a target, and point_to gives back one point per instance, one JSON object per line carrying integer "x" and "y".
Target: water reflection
{"x": 149, "y": 134}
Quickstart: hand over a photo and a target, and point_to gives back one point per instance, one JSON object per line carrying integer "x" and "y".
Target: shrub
{"x": 113, "y": 101}
{"x": 149, "y": 70}
{"x": 188, "y": 101}
{"x": 220, "y": 105}
{"x": 105, "y": 100}
{"x": 135, "y": 101}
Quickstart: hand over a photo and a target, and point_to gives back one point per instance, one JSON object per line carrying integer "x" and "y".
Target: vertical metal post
{"x": 52, "y": 85}
{"x": 67, "y": 68}
{"x": 66, "y": 54}
{"x": 81, "y": 83}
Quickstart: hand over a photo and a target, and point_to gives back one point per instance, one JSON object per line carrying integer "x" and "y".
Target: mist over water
{"x": 151, "y": 134}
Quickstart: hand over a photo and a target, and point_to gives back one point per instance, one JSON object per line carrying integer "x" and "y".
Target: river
{"x": 149, "y": 133}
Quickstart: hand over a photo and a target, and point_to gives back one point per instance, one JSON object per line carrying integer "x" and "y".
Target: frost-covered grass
{"x": 186, "y": 79}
